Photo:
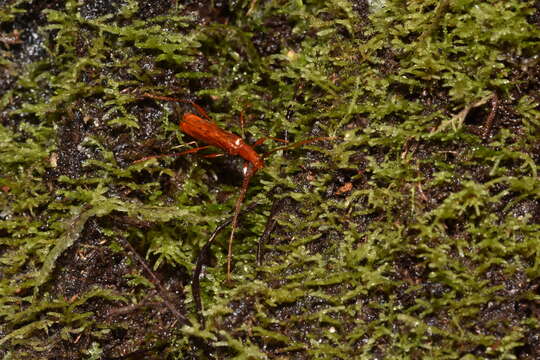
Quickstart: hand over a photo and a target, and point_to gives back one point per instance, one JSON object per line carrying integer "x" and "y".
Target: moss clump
{"x": 414, "y": 234}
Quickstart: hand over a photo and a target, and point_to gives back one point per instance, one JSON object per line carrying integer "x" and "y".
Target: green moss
{"x": 413, "y": 234}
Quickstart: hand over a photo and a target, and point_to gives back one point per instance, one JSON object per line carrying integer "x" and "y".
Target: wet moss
{"x": 413, "y": 234}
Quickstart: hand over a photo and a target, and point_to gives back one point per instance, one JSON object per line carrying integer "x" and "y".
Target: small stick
{"x": 162, "y": 291}
{"x": 201, "y": 259}
{"x": 271, "y": 223}
{"x": 489, "y": 121}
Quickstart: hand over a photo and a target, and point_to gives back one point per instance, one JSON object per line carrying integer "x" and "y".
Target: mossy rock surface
{"x": 411, "y": 232}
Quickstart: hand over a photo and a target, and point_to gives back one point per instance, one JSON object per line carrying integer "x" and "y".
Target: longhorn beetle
{"x": 205, "y": 130}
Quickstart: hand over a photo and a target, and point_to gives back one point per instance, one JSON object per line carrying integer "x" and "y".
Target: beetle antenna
{"x": 297, "y": 144}
{"x": 167, "y": 98}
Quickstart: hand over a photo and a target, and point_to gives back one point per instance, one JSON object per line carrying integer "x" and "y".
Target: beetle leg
{"x": 262, "y": 140}
{"x": 214, "y": 155}
{"x": 189, "y": 151}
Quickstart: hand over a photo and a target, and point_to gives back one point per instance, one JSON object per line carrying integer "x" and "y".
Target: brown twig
{"x": 164, "y": 293}
{"x": 271, "y": 223}
{"x": 489, "y": 121}
{"x": 129, "y": 308}
{"x": 201, "y": 260}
